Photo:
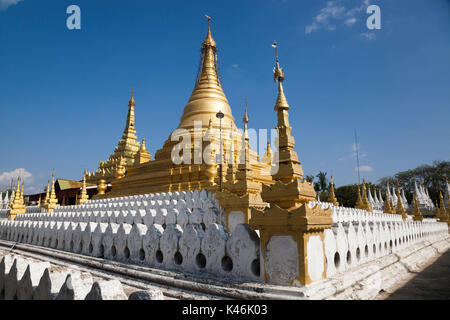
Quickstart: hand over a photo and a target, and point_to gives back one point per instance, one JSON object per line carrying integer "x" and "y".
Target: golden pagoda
{"x": 124, "y": 154}
{"x": 268, "y": 155}
{"x": 84, "y": 196}
{"x": 50, "y": 199}
{"x": 332, "y": 197}
{"x": 187, "y": 160}
{"x": 142, "y": 156}
{"x": 387, "y": 203}
{"x": 16, "y": 205}
{"x": 359, "y": 203}
{"x": 417, "y": 215}
{"x": 400, "y": 210}
{"x": 443, "y": 215}
{"x": 366, "y": 204}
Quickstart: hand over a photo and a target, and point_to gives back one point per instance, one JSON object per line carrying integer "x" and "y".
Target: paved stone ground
{"x": 432, "y": 283}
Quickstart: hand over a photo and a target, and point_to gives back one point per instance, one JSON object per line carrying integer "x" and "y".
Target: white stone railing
{"x": 345, "y": 214}
{"x": 350, "y": 244}
{"x": 33, "y": 209}
{"x": 146, "y": 216}
{"x": 167, "y": 234}
{"x": 189, "y": 249}
{"x": 358, "y": 236}
{"x": 28, "y": 279}
{"x": 179, "y": 200}
{"x": 183, "y": 207}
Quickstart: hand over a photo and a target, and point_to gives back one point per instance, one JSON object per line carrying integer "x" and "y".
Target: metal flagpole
{"x": 357, "y": 157}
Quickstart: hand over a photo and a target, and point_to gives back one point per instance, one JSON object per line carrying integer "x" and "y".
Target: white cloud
{"x": 4, "y": 4}
{"x": 367, "y": 35}
{"x": 5, "y": 177}
{"x": 350, "y": 21}
{"x": 364, "y": 168}
{"x": 335, "y": 13}
{"x": 235, "y": 66}
{"x": 352, "y": 155}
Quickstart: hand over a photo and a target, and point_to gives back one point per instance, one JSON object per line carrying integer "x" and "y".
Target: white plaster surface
{"x": 281, "y": 259}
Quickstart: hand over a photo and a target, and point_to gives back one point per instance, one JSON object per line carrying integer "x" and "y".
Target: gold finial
{"x": 278, "y": 74}
{"x": 131, "y": 103}
{"x": 209, "y": 41}
{"x": 245, "y": 118}
{"x": 274, "y": 45}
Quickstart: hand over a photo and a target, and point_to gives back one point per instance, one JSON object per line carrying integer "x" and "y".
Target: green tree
{"x": 347, "y": 195}
{"x": 322, "y": 182}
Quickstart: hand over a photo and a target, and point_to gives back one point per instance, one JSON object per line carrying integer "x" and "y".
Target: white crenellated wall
{"x": 358, "y": 236}
{"x": 195, "y": 207}
{"x": 184, "y": 231}
{"x": 28, "y": 279}
{"x": 192, "y": 249}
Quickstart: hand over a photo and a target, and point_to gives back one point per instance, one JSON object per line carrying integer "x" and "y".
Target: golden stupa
{"x": 124, "y": 155}
{"x": 203, "y": 132}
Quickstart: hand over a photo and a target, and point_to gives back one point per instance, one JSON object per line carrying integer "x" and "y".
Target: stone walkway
{"x": 432, "y": 283}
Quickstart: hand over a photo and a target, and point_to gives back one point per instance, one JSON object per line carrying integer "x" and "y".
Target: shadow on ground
{"x": 432, "y": 283}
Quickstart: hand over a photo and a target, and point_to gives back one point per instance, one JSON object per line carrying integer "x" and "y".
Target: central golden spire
{"x": 207, "y": 98}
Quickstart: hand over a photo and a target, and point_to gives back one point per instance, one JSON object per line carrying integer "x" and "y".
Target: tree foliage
{"x": 432, "y": 177}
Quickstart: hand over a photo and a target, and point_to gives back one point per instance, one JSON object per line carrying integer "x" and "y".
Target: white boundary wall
{"x": 184, "y": 231}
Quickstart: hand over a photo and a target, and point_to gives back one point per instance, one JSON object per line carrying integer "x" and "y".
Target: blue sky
{"x": 64, "y": 93}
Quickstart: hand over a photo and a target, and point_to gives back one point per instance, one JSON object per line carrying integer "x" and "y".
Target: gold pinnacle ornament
{"x": 16, "y": 204}
{"x": 332, "y": 197}
{"x": 51, "y": 200}
{"x": 366, "y": 204}
{"x": 400, "y": 209}
{"x": 359, "y": 203}
{"x": 84, "y": 196}
{"x": 417, "y": 215}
